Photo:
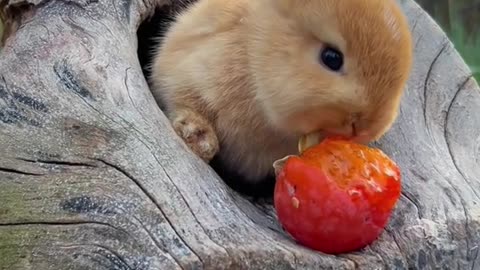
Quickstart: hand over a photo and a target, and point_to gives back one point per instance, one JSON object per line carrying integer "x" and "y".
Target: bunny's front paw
{"x": 197, "y": 133}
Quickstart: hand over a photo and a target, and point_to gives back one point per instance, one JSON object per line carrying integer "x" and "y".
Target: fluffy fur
{"x": 242, "y": 79}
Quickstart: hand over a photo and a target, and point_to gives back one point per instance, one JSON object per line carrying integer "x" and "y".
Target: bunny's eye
{"x": 331, "y": 58}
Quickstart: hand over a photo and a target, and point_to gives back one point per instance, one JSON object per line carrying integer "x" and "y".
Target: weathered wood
{"x": 93, "y": 177}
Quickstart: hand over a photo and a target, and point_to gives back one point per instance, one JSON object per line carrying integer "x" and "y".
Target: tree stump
{"x": 92, "y": 175}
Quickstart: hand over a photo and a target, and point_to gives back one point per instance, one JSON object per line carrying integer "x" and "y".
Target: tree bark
{"x": 92, "y": 175}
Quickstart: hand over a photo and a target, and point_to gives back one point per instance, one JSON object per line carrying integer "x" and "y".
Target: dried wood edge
{"x": 93, "y": 177}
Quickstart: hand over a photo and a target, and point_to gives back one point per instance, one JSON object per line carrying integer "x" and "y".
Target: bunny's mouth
{"x": 309, "y": 139}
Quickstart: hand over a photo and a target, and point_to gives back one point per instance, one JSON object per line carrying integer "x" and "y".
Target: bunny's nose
{"x": 350, "y": 132}
{"x": 361, "y": 137}
{"x": 354, "y": 130}
{"x": 346, "y": 131}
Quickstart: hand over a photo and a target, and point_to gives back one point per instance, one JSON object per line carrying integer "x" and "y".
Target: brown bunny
{"x": 244, "y": 79}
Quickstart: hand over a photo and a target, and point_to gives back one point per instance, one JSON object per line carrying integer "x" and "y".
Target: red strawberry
{"x": 337, "y": 196}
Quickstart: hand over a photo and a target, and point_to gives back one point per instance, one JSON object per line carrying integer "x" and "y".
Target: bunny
{"x": 243, "y": 80}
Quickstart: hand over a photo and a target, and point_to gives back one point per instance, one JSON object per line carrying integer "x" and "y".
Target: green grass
{"x": 469, "y": 48}
{"x": 456, "y": 19}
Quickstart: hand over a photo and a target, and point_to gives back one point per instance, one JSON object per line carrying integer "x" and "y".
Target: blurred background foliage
{"x": 460, "y": 19}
